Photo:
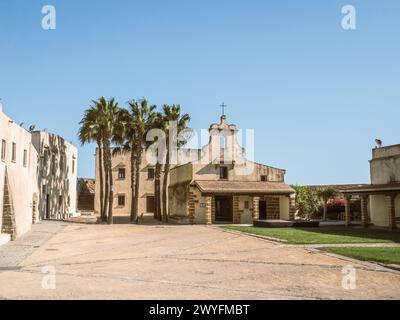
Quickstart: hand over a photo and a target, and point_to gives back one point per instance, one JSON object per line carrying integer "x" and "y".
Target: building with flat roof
{"x": 37, "y": 178}
{"x": 380, "y": 200}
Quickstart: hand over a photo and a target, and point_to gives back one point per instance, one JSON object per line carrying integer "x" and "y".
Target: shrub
{"x": 308, "y": 203}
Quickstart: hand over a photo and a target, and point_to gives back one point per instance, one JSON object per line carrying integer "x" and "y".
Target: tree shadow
{"x": 53, "y": 168}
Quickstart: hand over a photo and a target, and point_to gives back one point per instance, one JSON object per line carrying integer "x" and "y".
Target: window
{"x": 73, "y": 166}
{"x": 121, "y": 201}
{"x": 3, "y": 150}
{"x": 223, "y": 173}
{"x": 246, "y": 205}
{"x": 62, "y": 163}
{"x": 54, "y": 164}
{"x": 14, "y": 152}
{"x": 150, "y": 174}
{"x": 25, "y": 162}
{"x": 45, "y": 156}
{"x": 121, "y": 173}
{"x": 264, "y": 178}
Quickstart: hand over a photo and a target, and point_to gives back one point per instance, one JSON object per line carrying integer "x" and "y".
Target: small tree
{"x": 308, "y": 202}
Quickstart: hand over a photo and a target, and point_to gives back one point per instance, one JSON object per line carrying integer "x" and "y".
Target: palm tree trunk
{"x": 165, "y": 187}
{"x": 133, "y": 184}
{"x": 157, "y": 192}
{"x": 325, "y": 210}
{"x": 101, "y": 173}
{"x": 137, "y": 184}
{"x": 111, "y": 200}
{"x": 106, "y": 189}
{"x": 107, "y": 152}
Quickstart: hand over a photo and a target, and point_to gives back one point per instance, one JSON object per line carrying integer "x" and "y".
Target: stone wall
{"x": 8, "y": 225}
{"x": 19, "y": 174}
{"x": 273, "y": 207}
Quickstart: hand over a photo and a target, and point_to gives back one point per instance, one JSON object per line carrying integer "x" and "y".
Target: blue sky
{"x": 316, "y": 95}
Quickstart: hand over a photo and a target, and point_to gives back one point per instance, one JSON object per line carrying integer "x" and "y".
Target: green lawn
{"x": 323, "y": 235}
{"x": 385, "y": 255}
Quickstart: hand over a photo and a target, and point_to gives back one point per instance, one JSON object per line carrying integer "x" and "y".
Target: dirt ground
{"x": 82, "y": 261}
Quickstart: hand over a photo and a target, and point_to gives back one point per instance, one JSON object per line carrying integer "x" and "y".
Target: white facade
{"x": 25, "y": 182}
{"x": 19, "y": 163}
{"x": 385, "y": 170}
{"x": 57, "y": 175}
{"x": 380, "y": 201}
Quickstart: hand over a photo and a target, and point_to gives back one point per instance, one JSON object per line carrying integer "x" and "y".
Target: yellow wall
{"x": 379, "y": 210}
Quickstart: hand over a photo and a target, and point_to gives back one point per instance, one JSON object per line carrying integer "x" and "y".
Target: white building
{"x": 380, "y": 201}
{"x": 57, "y": 175}
{"x": 37, "y": 178}
{"x": 18, "y": 179}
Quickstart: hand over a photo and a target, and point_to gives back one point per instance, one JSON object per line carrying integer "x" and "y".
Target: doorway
{"x": 150, "y": 204}
{"x": 223, "y": 209}
{"x": 47, "y": 206}
{"x": 263, "y": 210}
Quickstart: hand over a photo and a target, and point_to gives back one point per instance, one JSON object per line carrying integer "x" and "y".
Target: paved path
{"x": 14, "y": 253}
{"x": 177, "y": 262}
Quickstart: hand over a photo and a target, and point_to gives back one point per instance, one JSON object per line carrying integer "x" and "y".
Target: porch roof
{"x": 244, "y": 187}
{"x": 374, "y": 189}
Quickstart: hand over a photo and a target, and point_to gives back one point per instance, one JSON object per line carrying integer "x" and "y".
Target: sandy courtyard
{"x": 174, "y": 262}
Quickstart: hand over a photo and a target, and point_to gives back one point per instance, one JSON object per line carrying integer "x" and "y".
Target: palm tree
{"x": 172, "y": 117}
{"x": 140, "y": 121}
{"x": 326, "y": 194}
{"x": 107, "y": 114}
{"x": 91, "y": 131}
{"x": 159, "y": 123}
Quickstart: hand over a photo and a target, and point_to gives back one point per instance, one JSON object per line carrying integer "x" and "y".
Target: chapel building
{"x": 214, "y": 184}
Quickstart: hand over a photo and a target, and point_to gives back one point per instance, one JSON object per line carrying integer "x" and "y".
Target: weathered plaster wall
{"x": 210, "y": 171}
{"x": 284, "y": 207}
{"x": 21, "y": 179}
{"x": 123, "y": 186}
{"x": 385, "y": 165}
{"x": 57, "y": 174}
{"x": 379, "y": 210}
{"x": 246, "y": 214}
{"x": 178, "y": 200}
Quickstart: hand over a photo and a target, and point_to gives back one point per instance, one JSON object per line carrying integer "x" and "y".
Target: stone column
{"x": 236, "y": 212}
{"x": 392, "y": 212}
{"x": 208, "y": 210}
{"x": 191, "y": 206}
{"x": 292, "y": 207}
{"x": 256, "y": 208}
{"x": 213, "y": 209}
{"x": 347, "y": 211}
{"x": 364, "y": 211}
{"x": 9, "y": 225}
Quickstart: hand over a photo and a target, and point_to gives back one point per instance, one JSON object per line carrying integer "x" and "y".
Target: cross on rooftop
{"x": 223, "y": 106}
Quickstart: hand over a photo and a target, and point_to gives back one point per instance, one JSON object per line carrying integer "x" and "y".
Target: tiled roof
{"x": 375, "y": 188}
{"x": 243, "y": 187}
{"x": 337, "y": 187}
